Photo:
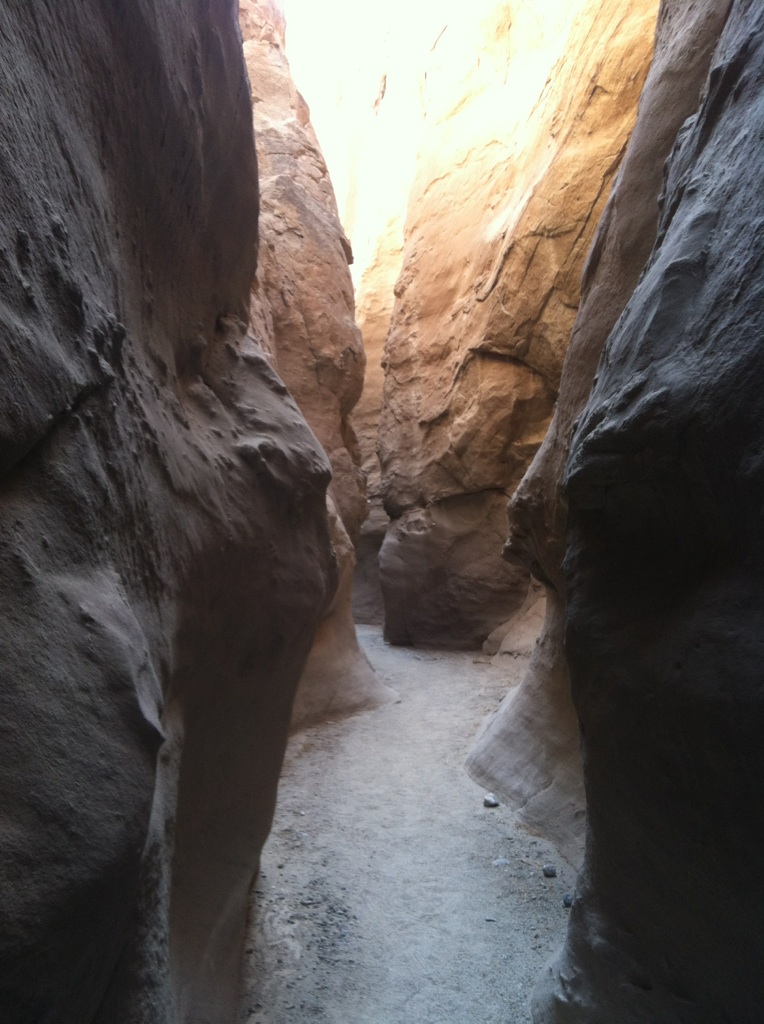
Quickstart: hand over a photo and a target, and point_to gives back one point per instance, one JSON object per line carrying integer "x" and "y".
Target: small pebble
{"x": 489, "y": 800}
{"x": 550, "y": 871}
{"x": 567, "y": 900}
{"x": 500, "y": 862}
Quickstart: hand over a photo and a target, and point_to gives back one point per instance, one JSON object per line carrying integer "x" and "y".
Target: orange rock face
{"x": 526, "y": 113}
{"x": 303, "y": 279}
{"x": 493, "y": 132}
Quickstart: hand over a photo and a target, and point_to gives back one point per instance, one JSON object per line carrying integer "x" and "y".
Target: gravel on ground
{"x": 389, "y": 894}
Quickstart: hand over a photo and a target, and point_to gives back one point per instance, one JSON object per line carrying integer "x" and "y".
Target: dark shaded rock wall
{"x": 529, "y": 754}
{"x": 163, "y": 537}
{"x": 664, "y": 572}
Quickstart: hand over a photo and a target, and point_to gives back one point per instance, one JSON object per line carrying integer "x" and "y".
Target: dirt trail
{"x": 388, "y": 893}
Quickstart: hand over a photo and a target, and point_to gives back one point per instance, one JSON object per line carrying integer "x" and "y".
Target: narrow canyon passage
{"x": 219, "y": 444}
{"x": 389, "y": 894}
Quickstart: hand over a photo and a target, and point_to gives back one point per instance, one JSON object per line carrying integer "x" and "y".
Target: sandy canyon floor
{"x": 389, "y": 894}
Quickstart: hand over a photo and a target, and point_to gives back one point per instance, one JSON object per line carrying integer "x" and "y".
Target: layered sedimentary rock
{"x": 164, "y": 543}
{"x": 527, "y": 110}
{"x": 664, "y": 576}
{"x": 303, "y": 316}
{"x": 530, "y": 752}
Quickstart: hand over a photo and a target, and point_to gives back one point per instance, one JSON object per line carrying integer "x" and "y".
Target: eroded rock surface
{"x": 664, "y": 576}
{"x": 530, "y": 752}
{"x": 163, "y": 537}
{"x": 303, "y": 316}
{"x": 527, "y": 110}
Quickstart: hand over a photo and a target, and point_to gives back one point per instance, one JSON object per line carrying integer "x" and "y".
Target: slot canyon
{"x": 379, "y": 433}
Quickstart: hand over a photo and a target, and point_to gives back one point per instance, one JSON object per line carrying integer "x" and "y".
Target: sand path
{"x": 389, "y": 894}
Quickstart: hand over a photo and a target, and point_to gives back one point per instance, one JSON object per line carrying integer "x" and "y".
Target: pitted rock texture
{"x": 528, "y": 109}
{"x": 303, "y": 316}
{"x": 530, "y": 751}
{"x": 163, "y": 537}
{"x": 664, "y": 575}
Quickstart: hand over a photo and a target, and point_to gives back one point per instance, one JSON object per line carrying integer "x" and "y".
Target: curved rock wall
{"x": 527, "y": 110}
{"x": 529, "y": 754}
{"x": 303, "y": 316}
{"x": 663, "y": 570}
{"x": 163, "y": 535}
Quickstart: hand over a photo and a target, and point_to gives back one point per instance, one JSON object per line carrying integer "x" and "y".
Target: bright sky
{"x": 339, "y": 50}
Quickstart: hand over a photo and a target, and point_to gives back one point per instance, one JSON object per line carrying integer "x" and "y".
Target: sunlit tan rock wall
{"x": 663, "y": 573}
{"x": 530, "y": 752}
{"x": 303, "y": 315}
{"x": 527, "y": 111}
{"x": 163, "y": 535}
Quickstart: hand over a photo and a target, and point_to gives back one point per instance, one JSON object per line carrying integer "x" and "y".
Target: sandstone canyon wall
{"x": 164, "y": 543}
{"x": 364, "y": 77}
{"x": 526, "y": 112}
{"x": 529, "y": 754}
{"x": 303, "y": 316}
{"x": 664, "y": 579}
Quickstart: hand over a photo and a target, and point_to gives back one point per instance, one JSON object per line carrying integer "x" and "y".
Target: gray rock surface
{"x": 664, "y": 575}
{"x": 530, "y": 752}
{"x": 164, "y": 547}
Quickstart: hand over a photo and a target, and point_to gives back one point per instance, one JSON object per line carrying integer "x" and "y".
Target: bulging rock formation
{"x": 530, "y": 751}
{"x": 663, "y": 573}
{"x": 163, "y": 535}
{"x": 303, "y": 316}
{"x": 527, "y": 110}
